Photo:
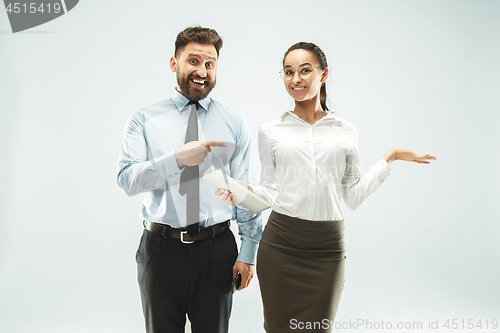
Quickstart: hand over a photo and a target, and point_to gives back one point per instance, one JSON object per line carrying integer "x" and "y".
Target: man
{"x": 187, "y": 255}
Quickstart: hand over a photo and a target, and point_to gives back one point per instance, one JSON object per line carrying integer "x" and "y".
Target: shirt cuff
{"x": 167, "y": 164}
{"x": 382, "y": 169}
{"x": 248, "y": 252}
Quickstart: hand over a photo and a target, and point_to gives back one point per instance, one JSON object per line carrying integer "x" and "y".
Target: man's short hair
{"x": 199, "y": 35}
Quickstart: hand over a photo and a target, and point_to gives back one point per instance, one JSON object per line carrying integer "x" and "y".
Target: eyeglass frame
{"x": 282, "y": 72}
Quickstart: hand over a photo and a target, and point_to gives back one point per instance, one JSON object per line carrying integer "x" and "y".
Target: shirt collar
{"x": 329, "y": 115}
{"x": 181, "y": 101}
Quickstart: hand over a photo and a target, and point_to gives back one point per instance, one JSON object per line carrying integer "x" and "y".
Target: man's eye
{"x": 209, "y": 65}
{"x": 193, "y": 61}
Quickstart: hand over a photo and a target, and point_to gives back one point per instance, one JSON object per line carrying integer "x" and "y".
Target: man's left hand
{"x": 247, "y": 272}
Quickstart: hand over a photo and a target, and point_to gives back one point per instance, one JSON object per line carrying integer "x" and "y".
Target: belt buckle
{"x": 182, "y": 238}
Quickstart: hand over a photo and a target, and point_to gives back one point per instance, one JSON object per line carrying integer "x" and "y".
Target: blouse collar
{"x": 329, "y": 115}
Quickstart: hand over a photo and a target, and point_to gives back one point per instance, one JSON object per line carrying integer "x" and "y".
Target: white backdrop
{"x": 422, "y": 75}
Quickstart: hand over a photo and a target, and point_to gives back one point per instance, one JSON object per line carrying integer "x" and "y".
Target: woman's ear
{"x": 324, "y": 75}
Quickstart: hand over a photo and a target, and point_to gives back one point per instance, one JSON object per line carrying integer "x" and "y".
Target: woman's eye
{"x": 289, "y": 72}
{"x": 305, "y": 70}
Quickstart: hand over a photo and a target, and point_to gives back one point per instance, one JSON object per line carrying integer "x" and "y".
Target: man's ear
{"x": 173, "y": 64}
{"x": 324, "y": 75}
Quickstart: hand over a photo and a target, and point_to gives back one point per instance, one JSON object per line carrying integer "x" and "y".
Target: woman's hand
{"x": 406, "y": 155}
{"x": 228, "y": 196}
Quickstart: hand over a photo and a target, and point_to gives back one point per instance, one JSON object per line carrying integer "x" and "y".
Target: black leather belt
{"x": 169, "y": 232}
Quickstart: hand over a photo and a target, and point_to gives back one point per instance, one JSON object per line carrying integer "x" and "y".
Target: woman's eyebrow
{"x": 306, "y": 63}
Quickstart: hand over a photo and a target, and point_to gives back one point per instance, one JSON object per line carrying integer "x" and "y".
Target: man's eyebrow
{"x": 199, "y": 56}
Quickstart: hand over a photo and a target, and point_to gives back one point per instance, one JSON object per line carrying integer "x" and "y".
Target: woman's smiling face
{"x": 303, "y": 63}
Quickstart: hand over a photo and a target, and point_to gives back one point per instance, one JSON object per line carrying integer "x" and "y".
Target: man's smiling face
{"x": 196, "y": 67}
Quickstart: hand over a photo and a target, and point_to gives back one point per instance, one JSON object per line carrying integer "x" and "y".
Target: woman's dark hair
{"x": 322, "y": 62}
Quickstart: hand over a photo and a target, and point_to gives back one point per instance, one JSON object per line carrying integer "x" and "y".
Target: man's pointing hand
{"x": 195, "y": 152}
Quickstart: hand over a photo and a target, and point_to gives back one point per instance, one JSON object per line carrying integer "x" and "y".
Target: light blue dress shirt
{"x": 147, "y": 165}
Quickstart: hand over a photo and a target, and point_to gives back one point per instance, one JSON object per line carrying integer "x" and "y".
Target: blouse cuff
{"x": 382, "y": 169}
{"x": 258, "y": 191}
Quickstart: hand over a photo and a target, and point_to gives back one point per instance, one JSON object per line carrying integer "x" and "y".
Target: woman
{"x": 309, "y": 161}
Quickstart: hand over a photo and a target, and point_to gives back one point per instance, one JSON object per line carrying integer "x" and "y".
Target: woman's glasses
{"x": 305, "y": 72}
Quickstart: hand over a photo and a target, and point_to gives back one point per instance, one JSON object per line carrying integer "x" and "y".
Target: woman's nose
{"x": 296, "y": 77}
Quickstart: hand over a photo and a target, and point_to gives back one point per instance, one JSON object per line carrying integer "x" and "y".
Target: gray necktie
{"x": 190, "y": 180}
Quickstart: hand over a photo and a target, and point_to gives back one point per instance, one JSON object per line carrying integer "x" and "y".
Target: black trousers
{"x": 176, "y": 278}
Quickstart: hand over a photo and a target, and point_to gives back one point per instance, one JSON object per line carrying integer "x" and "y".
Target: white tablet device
{"x": 243, "y": 195}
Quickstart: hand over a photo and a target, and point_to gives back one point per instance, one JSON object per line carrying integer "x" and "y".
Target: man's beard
{"x": 192, "y": 93}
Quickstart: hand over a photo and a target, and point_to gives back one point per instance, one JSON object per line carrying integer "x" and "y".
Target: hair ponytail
{"x": 322, "y": 97}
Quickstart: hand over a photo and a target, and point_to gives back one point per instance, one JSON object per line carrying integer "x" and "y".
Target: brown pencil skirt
{"x": 300, "y": 267}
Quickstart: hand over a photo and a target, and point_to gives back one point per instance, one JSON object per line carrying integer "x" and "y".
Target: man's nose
{"x": 201, "y": 70}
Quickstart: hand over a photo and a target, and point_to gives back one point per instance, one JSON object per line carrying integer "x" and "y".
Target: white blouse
{"x": 306, "y": 169}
